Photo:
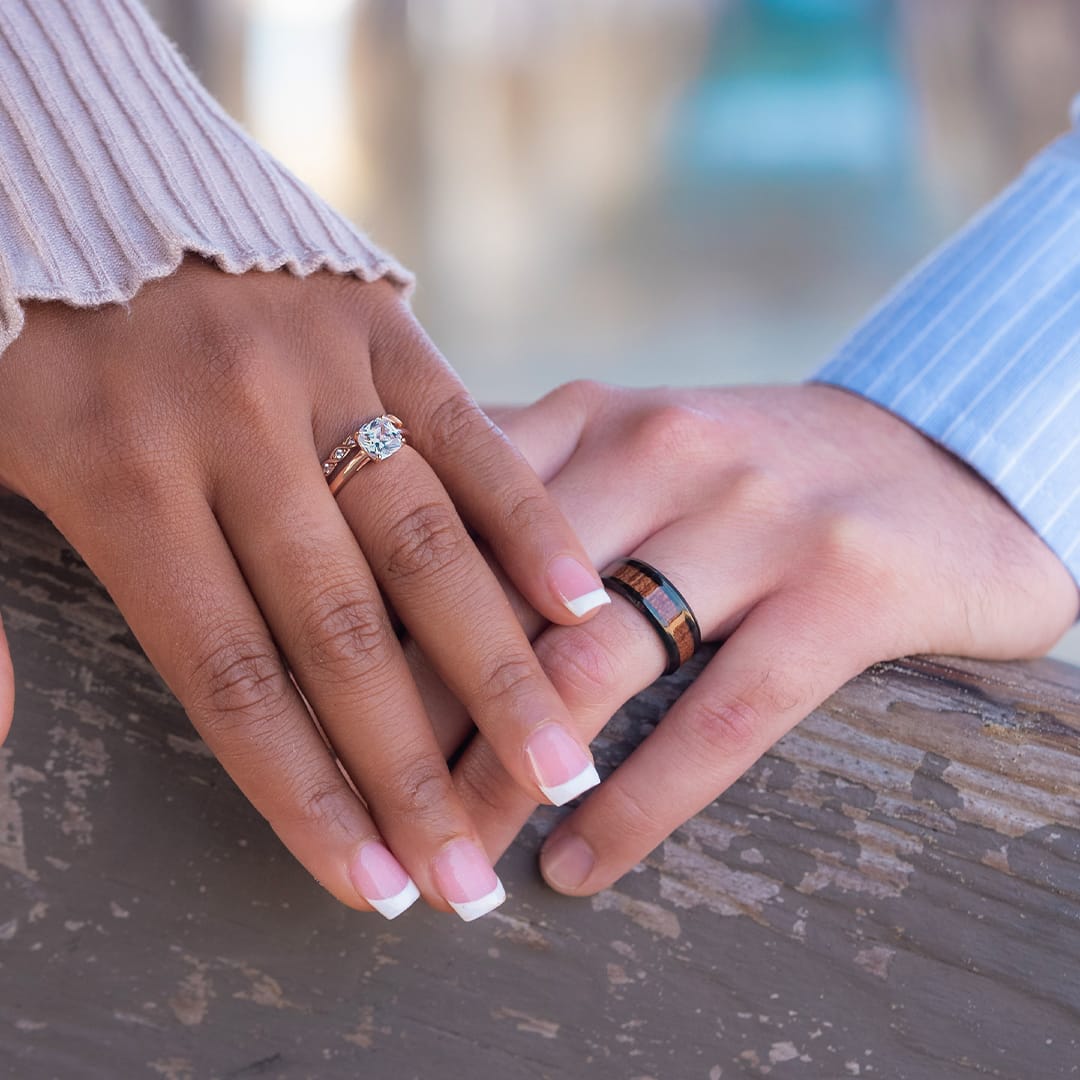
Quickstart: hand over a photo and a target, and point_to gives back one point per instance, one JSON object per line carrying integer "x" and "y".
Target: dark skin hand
{"x": 177, "y": 445}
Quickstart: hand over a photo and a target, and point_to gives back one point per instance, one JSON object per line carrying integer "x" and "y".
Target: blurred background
{"x": 644, "y": 191}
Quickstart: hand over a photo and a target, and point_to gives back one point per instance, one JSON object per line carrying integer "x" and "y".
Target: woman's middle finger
{"x": 323, "y": 606}
{"x": 454, "y": 608}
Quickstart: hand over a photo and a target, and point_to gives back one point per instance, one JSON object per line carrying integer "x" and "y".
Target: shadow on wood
{"x": 892, "y": 892}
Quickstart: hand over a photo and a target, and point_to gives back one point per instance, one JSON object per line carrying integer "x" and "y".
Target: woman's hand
{"x": 810, "y": 531}
{"x": 177, "y": 444}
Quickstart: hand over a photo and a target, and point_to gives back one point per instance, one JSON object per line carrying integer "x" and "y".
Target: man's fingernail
{"x": 464, "y": 876}
{"x": 578, "y": 586}
{"x": 563, "y": 770}
{"x": 382, "y": 881}
{"x": 567, "y": 861}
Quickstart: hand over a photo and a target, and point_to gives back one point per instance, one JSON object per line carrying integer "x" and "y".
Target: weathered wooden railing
{"x": 892, "y": 892}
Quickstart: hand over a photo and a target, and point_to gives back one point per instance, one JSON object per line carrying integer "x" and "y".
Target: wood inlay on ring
{"x": 662, "y": 601}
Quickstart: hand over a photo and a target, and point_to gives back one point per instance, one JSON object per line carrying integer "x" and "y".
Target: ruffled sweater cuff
{"x": 115, "y": 162}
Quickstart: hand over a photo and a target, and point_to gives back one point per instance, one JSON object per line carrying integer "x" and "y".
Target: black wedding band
{"x": 663, "y": 605}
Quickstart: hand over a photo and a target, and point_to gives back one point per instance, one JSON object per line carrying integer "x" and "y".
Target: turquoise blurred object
{"x": 798, "y": 89}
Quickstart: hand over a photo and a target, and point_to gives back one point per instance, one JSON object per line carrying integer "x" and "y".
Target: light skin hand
{"x": 813, "y": 534}
{"x": 177, "y": 445}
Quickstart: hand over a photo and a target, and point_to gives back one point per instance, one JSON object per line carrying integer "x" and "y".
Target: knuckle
{"x": 506, "y": 678}
{"x": 526, "y": 514}
{"x": 423, "y": 789}
{"x": 483, "y": 784}
{"x": 847, "y": 534}
{"x": 582, "y": 392}
{"x": 430, "y": 537}
{"x": 720, "y": 729}
{"x": 228, "y": 352}
{"x": 231, "y": 364}
{"x": 240, "y": 681}
{"x": 133, "y": 457}
{"x": 321, "y": 803}
{"x": 853, "y": 550}
{"x": 392, "y": 329}
{"x": 131, "y": 474}
{"x": 681, "y": 432}
{"x": 587, "y": 389}
{"x": 457, "y": 420}
{"x": 344, "y": 634}
{"x": 754, "y": 489}
{"x": 583, "y": 669}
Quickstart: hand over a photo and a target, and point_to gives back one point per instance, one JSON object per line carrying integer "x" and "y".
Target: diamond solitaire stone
{"x": 380, "y": 438}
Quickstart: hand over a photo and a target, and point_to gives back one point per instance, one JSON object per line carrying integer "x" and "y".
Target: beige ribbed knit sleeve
{"x": 115, "y": 161}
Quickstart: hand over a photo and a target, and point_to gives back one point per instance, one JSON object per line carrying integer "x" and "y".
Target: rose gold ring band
{"x": 374, "y": 440}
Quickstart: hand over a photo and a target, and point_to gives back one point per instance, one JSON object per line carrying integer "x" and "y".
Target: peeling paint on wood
{"x": 12, "y": 840}
{"x": 892, "y": 893}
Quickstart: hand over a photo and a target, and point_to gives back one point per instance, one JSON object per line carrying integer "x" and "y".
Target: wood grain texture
{"x": 892, "y": 892}
{"x": 662, "y": 604}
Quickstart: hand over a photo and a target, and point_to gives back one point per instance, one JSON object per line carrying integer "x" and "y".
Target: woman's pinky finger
{"x": 188, "y": 603}
{"x": 772, "y": 672}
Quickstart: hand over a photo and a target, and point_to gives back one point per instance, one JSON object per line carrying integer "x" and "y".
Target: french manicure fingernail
{"x": 578, "y": 586}
{"x": 567, "y": 861}
{"x": 382, "y": 881}
{"x": 464, "y": 876}
{"x": 563, "y": 770}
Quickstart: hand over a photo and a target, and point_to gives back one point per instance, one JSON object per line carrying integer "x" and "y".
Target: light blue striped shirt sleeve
{"x": 979, "y": 347}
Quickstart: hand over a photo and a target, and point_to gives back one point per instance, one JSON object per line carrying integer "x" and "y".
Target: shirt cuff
{"x": 979, "y": 347}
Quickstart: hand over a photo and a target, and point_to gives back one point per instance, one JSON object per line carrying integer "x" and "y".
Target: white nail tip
{"x": 473, "y": 909}
{"x": 572, "y": 788}
{"x": 392, "y": 906}
{"x": 589, "y": 602}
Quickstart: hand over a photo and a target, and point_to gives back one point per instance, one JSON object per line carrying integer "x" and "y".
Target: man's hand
{"x": 811, "y": 532}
